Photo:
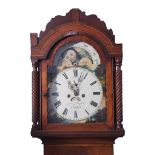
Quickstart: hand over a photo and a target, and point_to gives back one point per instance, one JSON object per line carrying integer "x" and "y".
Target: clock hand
{"x": 76, "y": 84}
{"x": 82, "y": 77}
{"x": 76, "y": 92}
{"x": 71, "y": 86}
{"x": 74, "y": 87}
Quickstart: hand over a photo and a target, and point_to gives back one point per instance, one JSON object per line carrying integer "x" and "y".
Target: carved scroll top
{"x": 76, "y": 15}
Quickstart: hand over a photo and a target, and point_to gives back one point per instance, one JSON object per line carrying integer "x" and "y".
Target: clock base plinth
{"x": 83, "y": 146}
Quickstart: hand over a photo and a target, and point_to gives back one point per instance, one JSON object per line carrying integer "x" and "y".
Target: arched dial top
{"x": 75, "y": 94}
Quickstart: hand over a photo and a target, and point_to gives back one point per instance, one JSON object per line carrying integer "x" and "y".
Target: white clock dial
{"x": 75, "y": 93}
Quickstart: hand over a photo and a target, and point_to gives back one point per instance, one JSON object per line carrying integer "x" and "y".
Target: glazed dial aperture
{"x": 75, "y": 93}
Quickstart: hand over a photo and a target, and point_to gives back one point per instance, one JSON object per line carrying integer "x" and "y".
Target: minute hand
{"x": 82, "y": 77}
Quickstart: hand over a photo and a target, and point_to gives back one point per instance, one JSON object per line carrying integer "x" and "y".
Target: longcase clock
{"x": 76, "y": 86}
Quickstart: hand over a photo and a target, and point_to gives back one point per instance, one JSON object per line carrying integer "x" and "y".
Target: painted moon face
{"x": 71, "y": 55}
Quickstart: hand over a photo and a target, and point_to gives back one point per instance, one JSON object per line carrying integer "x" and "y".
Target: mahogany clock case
{"x": 81, "y": 126}
{"x": 47, "y": 51}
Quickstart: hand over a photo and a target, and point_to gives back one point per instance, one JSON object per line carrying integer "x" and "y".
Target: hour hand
{"x": 76, "y": 90}
{"x": 76, "y": 84}
{"x": 71, "y": 86}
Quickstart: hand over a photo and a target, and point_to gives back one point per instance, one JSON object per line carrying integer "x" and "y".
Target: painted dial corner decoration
{"x": 76, "y": 85}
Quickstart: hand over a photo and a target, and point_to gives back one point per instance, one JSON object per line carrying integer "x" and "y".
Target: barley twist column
{"x": 35, "y": 95}
{"x": 118, "y": 90}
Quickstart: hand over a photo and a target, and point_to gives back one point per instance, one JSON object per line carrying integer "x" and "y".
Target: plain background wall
{"x": 133, "y": 23}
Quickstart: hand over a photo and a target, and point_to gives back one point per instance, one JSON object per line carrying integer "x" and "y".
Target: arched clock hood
{"x": 75, "y": 27}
